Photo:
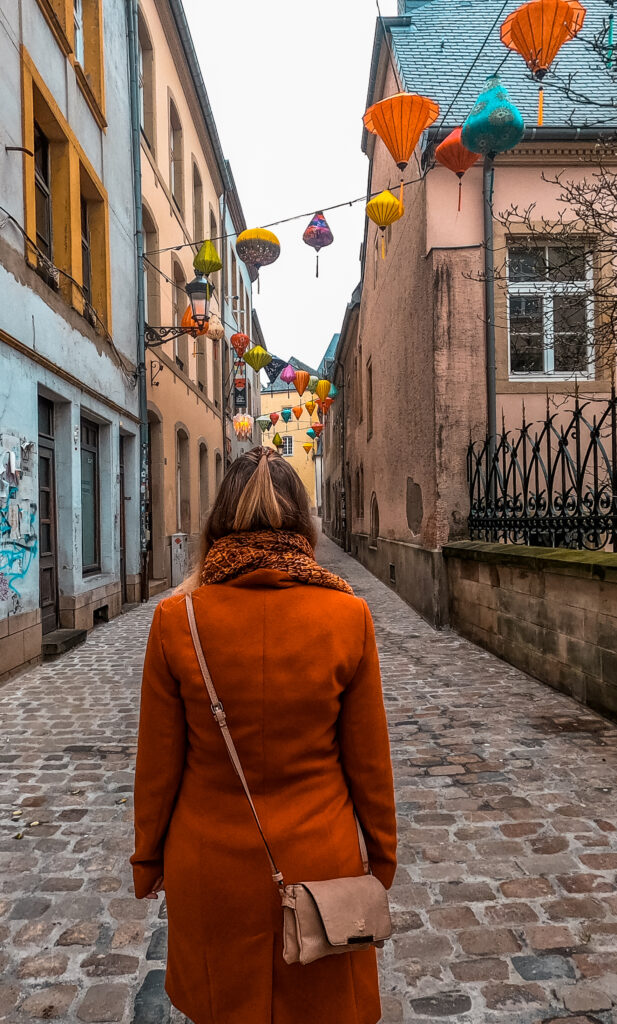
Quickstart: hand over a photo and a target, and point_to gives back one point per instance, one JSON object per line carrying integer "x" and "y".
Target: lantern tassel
{"x": 400, "y": 198}
{"x": 316, "y": 264}
{"x": 383, "y": 244}
{"x": 540, "y": 106}
{"x": 460, "y": 194}
{"x": 611, "y": 32}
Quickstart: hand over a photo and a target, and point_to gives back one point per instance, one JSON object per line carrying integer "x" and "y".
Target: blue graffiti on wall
{"x": 18, "y": 540}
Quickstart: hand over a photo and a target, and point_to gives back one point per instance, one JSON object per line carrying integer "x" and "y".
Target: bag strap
{"x": 219, "y": 714}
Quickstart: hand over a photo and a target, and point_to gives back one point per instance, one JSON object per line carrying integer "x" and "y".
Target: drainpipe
{"x": 131, "y": 13}
{"x": 489, "y": 295}
{"x": 222, "y": 303}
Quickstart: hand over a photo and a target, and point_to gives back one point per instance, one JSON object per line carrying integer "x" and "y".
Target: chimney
{"x": 410, "y": 6}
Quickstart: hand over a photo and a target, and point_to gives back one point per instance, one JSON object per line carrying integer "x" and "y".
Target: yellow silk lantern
{"x": 323, "y": 388}
{"x": 207, "y": 260}
{"x": 308, "y": 447}
{"x": 310, "y": 407}
{"x": 257, "y": 357}
{"x": 277, "y": 441}
{"x": 384, "y": 210}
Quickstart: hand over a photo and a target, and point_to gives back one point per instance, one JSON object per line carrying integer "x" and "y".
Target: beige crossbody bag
{"x": 339, "y": 915}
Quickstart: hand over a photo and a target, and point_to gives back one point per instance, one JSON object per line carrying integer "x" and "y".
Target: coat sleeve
{"x": 161, "y": 751}
{"x": 365, "y": 757}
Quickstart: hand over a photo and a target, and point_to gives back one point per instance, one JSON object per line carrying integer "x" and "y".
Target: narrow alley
{"x": 505, "y": 902}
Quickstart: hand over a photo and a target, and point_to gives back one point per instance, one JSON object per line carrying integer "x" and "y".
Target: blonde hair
{"x": 260, "y": 491}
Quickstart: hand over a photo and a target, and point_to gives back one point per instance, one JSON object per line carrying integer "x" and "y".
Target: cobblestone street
{"x": 505, "y": 901}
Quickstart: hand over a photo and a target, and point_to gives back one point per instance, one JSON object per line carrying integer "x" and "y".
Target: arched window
{"x": 361, "y": 495}
{"x": 204, "y": 485}
{"x": 374, "y": 534}
{"x": 152, "y": 279}
{"x": 181, "y": 344}
{"x": 146, "y": 82}
{"x": 198, "y": 206}
{"x": 218, "y": 470}
{"x": 183, "y": 482}
{"x": 176, "y": 156}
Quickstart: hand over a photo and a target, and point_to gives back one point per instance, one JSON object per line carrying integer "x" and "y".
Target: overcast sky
{"x": 287, "y": 83}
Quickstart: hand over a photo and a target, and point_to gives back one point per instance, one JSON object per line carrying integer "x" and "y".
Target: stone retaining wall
{"x": 549, "y": 611}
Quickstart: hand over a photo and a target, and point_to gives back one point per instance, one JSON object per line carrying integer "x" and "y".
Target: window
{"x": 42, "y": 192}
{"x": 181, "y": 344}
{"x": 176, "y": 156}
{"x": 183, "y": 493}
{"x": 361, "y": 503}
{"x": 198, "y": 206}
{"x": 550, "y": 310}
{"x": 204, "y": 485}
{"x": 146, "y": 82}
{"x": 288, "y": 445}
{"x": 78, "y": 27}
{"x": 359, "y": 402}
{"x": 90, "y": 557}
{"x": 152, "y": 294}
{"x": 369, "y": 400}
{"x": 374, "y": 534}
{"x": 86, "y": 260}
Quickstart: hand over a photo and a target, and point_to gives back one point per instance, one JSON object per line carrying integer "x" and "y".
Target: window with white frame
{"x": 288, "y": 445}
{"x": 550, "y": 311}
{"x": 78, "y": 22}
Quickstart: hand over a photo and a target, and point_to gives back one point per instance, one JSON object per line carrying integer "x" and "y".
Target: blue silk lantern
{"x": 286, "y": 415}
{"x": 495, "y": 124}
{"x": 311, "y": 433}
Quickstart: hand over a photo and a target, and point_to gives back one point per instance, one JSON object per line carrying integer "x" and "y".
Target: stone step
{"x": 157, "y": 587}
{"x": 62, "y": 640}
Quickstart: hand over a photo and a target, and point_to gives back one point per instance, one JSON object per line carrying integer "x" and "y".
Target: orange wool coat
{"x": 297, "y": 670}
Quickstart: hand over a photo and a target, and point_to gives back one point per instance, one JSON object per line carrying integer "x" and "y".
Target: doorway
{"x": 122, "y": 522}
{"x": 48, "y": 555}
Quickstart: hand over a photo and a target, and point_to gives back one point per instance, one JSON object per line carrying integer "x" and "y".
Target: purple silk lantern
{"x": 318, "y": 236}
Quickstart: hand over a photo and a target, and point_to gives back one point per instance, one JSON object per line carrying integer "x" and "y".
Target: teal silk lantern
{"x": 495, "y": 124}
{"x": 311, "y": 433}
{"x": 286, "y": 415}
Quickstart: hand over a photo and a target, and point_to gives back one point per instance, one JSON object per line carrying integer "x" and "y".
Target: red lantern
{"x": 456, "y": 157}
{"x": 318, "y": 427}
{"x": 240, "y": 342}
{"x": 274, "y": 418}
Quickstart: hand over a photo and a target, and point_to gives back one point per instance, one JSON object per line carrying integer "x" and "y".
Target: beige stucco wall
{"x": 174, "y": 395}
{"x": 303, "y": 464}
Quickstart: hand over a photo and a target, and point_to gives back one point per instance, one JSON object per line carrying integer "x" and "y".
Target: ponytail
{"x": 258, "y": 501}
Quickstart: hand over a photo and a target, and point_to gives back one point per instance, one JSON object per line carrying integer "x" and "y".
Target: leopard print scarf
{"x": 240, "y": 553}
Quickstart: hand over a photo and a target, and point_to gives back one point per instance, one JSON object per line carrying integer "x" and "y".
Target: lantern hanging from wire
{"x": 310, "y": 407}
{"x": 318, "y": 427}
{"x": 215, "y": 331}
{"x": 333, "y": 392}
{"x": 243, "y": 426}
{"x": 311, "y": 433}
{"x": 308, "y": 448}
{"x": 288, "y": 374}
{"x": 325, "y": 405}
{"x": 537, "y": 30}
{"x": 264, "y": 423}
{"x": 384, "y": 210}
{"x": 207, "y": 261}
{"x": 258, "y": 248}
{"x": 495, "y": 124}
{"x": 323, "y": 389}
{"x": 286, "y": 415}
{"x": 257, "y": 357}
{"x": 297, "y": 411}
{"x": 451, "y": 153}
{"x": 277, "y": 441}
{"x": 274, "y": 418}
{"x": 318, "y": 236}
{"x": 240, "y": 343}
{"x": 273, "y": 368}
{"x": 301, "y": 379}
{"x": 312, "y": 384}
{"x": 191, "y": 326}
{"x": 399, "y": 122}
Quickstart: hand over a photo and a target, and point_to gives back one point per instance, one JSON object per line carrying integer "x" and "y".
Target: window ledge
{"x": 527, "y": 378}
{"x": 56, "y": 26}
{"x": 89, "y": 96}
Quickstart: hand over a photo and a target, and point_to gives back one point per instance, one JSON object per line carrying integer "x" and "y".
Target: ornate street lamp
{"x": 199, "y": 291}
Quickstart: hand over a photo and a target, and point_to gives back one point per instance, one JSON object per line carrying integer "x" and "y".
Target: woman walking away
{"x": 291, "y": 654}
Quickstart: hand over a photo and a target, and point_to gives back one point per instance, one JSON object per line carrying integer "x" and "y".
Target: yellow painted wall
{"x": 304, "y": 467}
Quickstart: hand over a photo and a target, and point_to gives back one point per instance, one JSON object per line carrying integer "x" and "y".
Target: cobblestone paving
{"x": 505, "y": 901}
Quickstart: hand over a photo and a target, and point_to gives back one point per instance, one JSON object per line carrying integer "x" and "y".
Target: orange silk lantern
{"x": 274, "y": 418}
{"x": 240, "y": 343}
{"x": 399, "y": 122}
{"x": 318, "y": 427}
{"x": 191, "y": 326}
{"x": 301, "y": 381}
{"x": 310, "y": 408}
{"x": 325, "y": 405}
{"x": 538, "y": 30}
{"x": 456, "y": 157}
{"x": 297, "y": 411}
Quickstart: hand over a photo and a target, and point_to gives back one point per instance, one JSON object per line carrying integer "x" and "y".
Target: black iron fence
{"x": 552, "y": 483}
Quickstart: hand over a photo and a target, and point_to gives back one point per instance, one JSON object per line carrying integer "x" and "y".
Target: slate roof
{"x": 437, "y": 43}
{"x": 328, "y": 355}
{"x": 280, "y": 385}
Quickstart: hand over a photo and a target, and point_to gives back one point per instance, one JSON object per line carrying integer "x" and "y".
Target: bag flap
{"x": 352, "y": 909}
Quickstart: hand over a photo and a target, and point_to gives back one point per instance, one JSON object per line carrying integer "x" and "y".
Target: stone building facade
{"x": 69, "y": 409}
{"x": 411, "y": 360}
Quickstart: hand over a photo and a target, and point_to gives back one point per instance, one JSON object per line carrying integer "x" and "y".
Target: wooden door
{"x": 48, "y": 558}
